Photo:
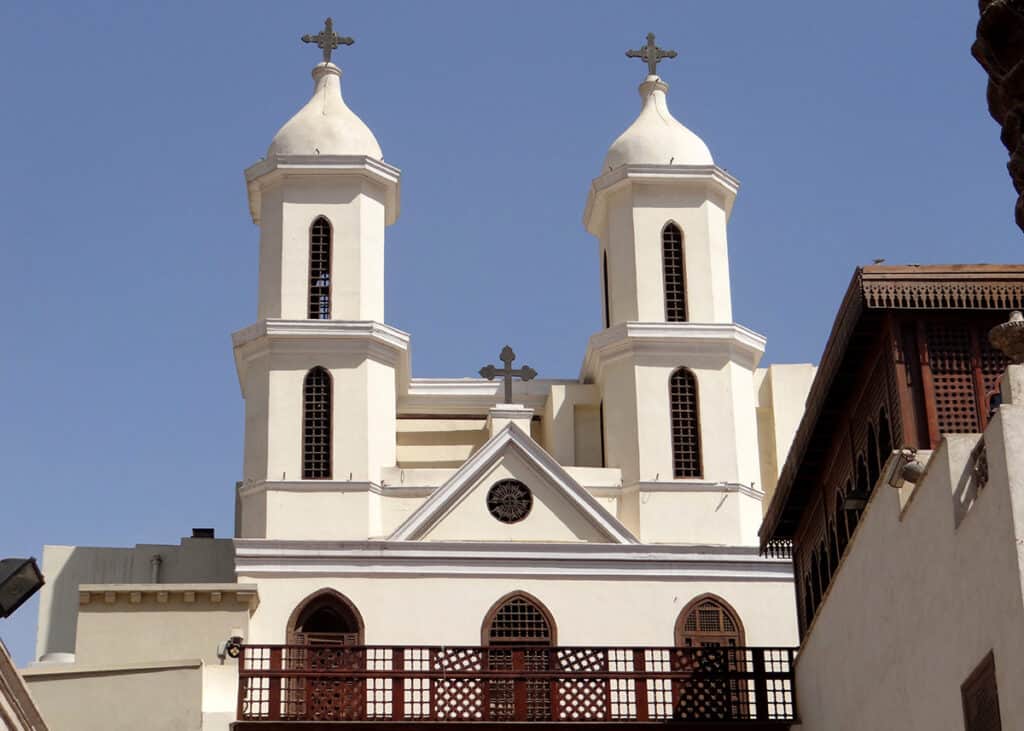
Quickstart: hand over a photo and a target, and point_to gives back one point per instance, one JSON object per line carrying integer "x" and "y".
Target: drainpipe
{"x": 154, "y": 568}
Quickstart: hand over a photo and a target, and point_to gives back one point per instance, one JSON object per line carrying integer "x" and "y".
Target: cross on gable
{"x": 651, "y": 54}
{"x": 508, "y": 373}
{"x": 328, "y": 40}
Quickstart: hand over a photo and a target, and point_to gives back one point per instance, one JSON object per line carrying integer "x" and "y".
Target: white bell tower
{"x": 660, "y": 210}
{"x": 318, "y": 368}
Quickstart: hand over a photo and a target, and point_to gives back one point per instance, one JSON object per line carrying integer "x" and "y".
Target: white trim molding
{"x": 695, "y": 342}
{"x": 417, "y": 525}
{"x": 268, "y": 172}
{"x": 627, "y": 562}
{"x": 247, "y": 594}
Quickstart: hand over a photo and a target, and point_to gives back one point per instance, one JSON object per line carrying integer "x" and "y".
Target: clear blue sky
{"x": 857, "y": 130}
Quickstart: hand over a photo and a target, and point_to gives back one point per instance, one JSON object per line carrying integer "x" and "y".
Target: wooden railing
{"x": 496, "y": 684}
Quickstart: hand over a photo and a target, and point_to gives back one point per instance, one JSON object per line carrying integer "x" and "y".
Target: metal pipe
{"x": 154, "y": 568}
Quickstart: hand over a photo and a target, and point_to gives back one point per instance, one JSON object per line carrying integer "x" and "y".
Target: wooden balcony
{"x": 288, "y": 686}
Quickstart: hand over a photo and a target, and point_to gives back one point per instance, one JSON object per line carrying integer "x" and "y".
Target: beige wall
{"x": 781, "y": 395}
{"x": 918, "y": 600}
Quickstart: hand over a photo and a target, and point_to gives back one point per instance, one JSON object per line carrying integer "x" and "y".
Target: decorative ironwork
{"x": 509, "y": 501}
{"x": 320, "y": 269}
{"x": 953, "y": 294}
{"x": 507, "y": 356}
{"x": 651, "y": 55}
{"x": 515, "y": 683}
{"x": 316, "y": 425}
{"x": 674, "y": 273}
{"x": 686, "y": 460}
{"x": 327, "y": 40}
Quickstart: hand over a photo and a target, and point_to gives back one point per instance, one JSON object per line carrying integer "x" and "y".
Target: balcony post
{"x": 640, "y": 667}
{"x": 519, "y": 685}
{"x": 274, "y": 690}
{"x": 398, "y": 686}
{"x": 760, "y": 684}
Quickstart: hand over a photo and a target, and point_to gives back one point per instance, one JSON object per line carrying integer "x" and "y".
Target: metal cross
{"x": 508, "y": 373}
{"x": 328, "y": 40}
{"x": 651, "y": 54}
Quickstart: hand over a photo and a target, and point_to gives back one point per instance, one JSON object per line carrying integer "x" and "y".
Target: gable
{"x": 561, "y": 511}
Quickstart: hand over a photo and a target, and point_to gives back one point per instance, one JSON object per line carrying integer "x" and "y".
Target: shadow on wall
{"x": 195, "y": 560}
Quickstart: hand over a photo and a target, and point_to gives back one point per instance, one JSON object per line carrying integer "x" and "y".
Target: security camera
{"x": 231, "y": 647}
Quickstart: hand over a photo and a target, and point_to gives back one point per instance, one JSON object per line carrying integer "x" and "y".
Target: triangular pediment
{"x": 561, "y": 510}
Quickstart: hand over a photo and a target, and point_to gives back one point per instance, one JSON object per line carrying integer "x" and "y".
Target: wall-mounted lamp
{"x": 905, "y": 468}
{"x": 20, "y": 578}
{"x": 231, "y": 647}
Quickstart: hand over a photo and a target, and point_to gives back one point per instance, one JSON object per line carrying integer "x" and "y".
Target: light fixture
{"x": 20, "y": 578}
{"x": 231, "y": 647}
{"x": 905, "y": 468}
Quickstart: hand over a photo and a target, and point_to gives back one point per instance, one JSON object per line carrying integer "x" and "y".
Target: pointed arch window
{"x": 316, "y": 425}
{"x": 325, "y": 617}
{"x": 320, "y": 269}
{"x": 708, "y": 621}
{"x": 686, "y": 457}
{"x": 604, "y": 286}
{"x": 516, "y": 620}
{"x": 674, "y": 269}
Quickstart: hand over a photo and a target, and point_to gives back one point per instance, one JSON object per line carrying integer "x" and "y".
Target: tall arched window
{"x": 604, "y": 285}
{"x": 709, "y": 621}
{"x": 686, "y": 460}
{"x": 320, "y": 269}
{"x": 325, "y": 617}
{"x": 316, "y": 425}
{"x": 516, "y": 620}
{"x": 874, "y": 463}
{"x": 674, "y": 269}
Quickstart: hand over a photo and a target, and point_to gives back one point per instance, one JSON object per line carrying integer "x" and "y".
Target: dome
{"x": 656, "y": 137}
{"x": 325, "y": 126}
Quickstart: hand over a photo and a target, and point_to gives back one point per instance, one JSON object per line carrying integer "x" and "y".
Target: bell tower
{"x": 318, "y": 367}
{"x": 674, "y": 370}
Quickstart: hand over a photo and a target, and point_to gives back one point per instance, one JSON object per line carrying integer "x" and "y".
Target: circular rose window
{"x": 509, "y": 501}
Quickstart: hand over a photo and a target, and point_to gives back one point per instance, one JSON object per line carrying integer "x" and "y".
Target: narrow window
{"x": 708, "y": 622}
{"x": 675, "y": 273}
{"x": 686, "y": 460}
{"x": 604, "y": 279}
{"x": 600, "y": 425}
{"x": 320, "y": 269}
{"x": 316, "y": 425}
{"x": 874, "y": 463}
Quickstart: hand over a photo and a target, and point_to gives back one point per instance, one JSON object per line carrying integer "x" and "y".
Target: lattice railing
{"x": 528, "y": 683}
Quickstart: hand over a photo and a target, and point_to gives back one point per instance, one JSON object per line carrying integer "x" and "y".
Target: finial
{"x": 651, "y": 54}
{"x": 508, "y": 372}
{"x": 328, "y": 40}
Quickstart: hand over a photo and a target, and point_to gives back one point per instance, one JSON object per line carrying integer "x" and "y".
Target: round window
{"x": 509, "y": 501}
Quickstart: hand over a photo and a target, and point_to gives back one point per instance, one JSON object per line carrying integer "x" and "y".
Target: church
{"x": 514, "y": 547}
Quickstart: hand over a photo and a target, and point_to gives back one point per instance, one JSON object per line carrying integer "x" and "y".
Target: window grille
{"x": 316, "y": 425}
{"x": 686, "y": 460}
{"x": 320, "y": 269}
{"x": 675, "y": 273}
{"x": 519, "y": 622}
{"x": 710, "y": 624}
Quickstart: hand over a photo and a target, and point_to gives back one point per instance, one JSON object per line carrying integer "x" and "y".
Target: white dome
{"x": 325, "y": 126}
{"x": 656, "y": 137}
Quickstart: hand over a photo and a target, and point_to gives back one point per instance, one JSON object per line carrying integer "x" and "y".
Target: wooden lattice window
{"x": 949, "y": 356}
{"x": 686, "y": 458}
{"x": 675, "y": 273}
{"x": 518, "y": 620}
{"x": 709, "y": 622}
{"x": 320, "y": 269}
{"x": 316, "y": 425}
{"x": 980, "y": 697}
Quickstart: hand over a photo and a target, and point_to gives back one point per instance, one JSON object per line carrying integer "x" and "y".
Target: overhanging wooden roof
{"x": 874, "y": 290}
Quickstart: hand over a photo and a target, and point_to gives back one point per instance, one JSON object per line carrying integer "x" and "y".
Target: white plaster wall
{"x": 355, "y": 207}
{"x": 781, "y": 401}
{"x": 123, "y": 633}
{"x": 326, "y": 511}
{"x": 631, "y": 234}
{"x": 450, "y": 611}
{"x": 155, "y": 699}
{"x": 438, "y": 442}
{"x": 707, "y": 516}
{"x": 919, "y": 601}
{"x": 619, "y": 392}
{"x": 551, "y": 518}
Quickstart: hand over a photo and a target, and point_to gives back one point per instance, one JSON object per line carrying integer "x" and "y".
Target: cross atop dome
{"x": 650, "y": 54}
{"x": 327, "y": 40}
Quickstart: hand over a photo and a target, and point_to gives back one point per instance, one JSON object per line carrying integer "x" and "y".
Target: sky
{"x": 857, "y": 131}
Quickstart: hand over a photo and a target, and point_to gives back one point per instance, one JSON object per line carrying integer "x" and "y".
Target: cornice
{"x": 133, "y": 593}
{"x": 372, "y": 339}
{"x": 470, "y": 395}
{"x": 269, "y": 171}
{"x": 624, "y": 562}
{"x": 673, "y": 341}
{"x": 681, "y": 175}
{"x": 249, "y": 489}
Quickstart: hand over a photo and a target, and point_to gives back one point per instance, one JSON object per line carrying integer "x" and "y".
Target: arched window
{"x": 686, "y": 460}
{"x": 708, "y": 621}
{"x": 316, "y": 425}
{"x": 516, "y": 620}
{"x": 874, "y": 463}
{"x": 674, "y": 270}
{"x": 320, "y": 269}
{"x": 604, "y": 284}
{"x": 842, "y": 531}
{"x": 884, "y": 434}
{"x": 325, "y": 617}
